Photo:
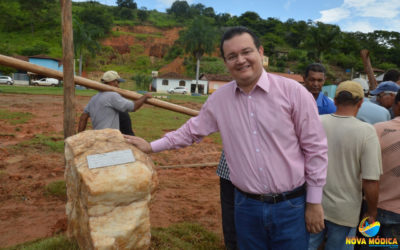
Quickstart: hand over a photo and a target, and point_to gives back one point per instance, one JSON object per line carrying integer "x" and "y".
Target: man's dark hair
{"x": 345, "y": 98}
{"x": 397, "y": 98}
{"x": 391, "y": 75}
{"x": 234, "y": 31}
{"x": 315, "y": 67}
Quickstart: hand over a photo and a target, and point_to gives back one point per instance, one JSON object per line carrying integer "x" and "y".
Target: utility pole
{"x": 68, "y": 68}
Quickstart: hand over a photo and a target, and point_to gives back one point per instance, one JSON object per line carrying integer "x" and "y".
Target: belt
{"x": 275, "y": 198}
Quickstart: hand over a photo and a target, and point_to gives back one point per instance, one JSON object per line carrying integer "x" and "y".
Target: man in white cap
{"x": 369, "y": 111}
{"x": 354, "y": 165}
{"x": 105, "y": 107}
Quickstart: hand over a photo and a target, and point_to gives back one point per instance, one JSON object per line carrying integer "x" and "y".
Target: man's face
{"x": 243, "y": 60}
{"x": 386, "y": 99}
{"x": 114, "y": 83}
{"x": 314, "y": 82}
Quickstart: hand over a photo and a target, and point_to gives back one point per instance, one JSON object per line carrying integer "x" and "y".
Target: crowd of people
{"x": 296, "y": 164}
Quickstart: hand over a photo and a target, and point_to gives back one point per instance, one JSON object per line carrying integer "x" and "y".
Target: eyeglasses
{"x": 233, "y": 57}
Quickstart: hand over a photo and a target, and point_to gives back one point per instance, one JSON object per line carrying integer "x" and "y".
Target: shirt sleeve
{"x": 192, "y": 131}
{"x": 313, "y": 142}
{"x": 371, "y": 158}
{"x": 117, "y": 102}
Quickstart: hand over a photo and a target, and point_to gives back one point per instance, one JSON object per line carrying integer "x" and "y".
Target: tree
{"x": 180, "y": 9}
{"x": 222, "y": 19}
{"x": 142, "y": 14}
{"x": 83, "y": 41}
{"x": 199, "y": 39}
{"x": 322, "y": 38}
{"x": 130, "y": 4}
{"x": 196, "y": 9}
{"x": 209, "y": 11}
{"x": 95, "y": 19}
{"x": 41, "y": 12}
{"x": 295, "y": 32}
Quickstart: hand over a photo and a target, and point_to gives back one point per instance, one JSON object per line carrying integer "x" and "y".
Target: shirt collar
{"x": 263, "y": 83}
{"x": 319, "y": 99}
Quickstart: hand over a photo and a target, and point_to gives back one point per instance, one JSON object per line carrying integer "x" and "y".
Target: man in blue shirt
{"x": 369, "y": 111}
{"x": 314, "y": 79}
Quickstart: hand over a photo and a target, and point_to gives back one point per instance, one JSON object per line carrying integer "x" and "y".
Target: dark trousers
{"x": 227, "y": 194}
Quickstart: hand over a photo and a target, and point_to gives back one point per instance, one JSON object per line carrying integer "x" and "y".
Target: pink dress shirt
{"x": 272, "y": 137}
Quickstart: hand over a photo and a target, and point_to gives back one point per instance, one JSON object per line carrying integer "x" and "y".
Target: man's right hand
{"x": 138, "y": 142}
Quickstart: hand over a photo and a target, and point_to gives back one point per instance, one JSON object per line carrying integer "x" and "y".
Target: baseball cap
{"x": 350, "y": 86}
{"x": 364, "y": 84}
{"x": 385, "y": 86}
{"x": 110, "y": 76}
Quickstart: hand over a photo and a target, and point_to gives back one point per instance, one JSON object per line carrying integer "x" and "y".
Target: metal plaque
{"x": 110, "y": 159}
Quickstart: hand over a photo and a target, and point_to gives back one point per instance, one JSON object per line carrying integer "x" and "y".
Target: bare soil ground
{"x": 28, "y": 213}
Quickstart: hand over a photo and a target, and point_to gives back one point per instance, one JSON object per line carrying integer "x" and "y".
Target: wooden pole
{"x": 68, "y": 68}
{"x": 22, "y": 65}
{"x": 368, "y": 69}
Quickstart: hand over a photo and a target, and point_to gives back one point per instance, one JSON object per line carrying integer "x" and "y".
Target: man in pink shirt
{"x": 274, "y": 144}
{"x": 389, "y": 192}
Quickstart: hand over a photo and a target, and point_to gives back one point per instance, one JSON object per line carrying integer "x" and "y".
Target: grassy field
{"x": 15, "y": 117}
{"x": 148, "y": 122}
{"x": 37, "y": 90}
{"x": 188, "y": 236}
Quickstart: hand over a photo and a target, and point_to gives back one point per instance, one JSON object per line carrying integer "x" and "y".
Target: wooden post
{"x": 68, "y": 66}
{"x": 368, "y": 69}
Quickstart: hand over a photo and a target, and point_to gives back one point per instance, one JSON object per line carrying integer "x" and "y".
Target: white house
{"x": 161, "y": 84}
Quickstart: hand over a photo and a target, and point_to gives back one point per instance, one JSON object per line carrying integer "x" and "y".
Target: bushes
{"x": 142, "y": 81}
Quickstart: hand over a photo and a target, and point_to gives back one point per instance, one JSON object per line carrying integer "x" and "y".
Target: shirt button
{"x": 257, "y": 150}
{"x": 261, "y": 169}
{"x": 251, "y": 114}
{"x": 254, "y": 132}
{"x": 249, "y": 96}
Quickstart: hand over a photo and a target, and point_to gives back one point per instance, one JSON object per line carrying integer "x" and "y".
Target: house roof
{"x": 216, "y": 77}
{"x": 173, "y": 75}
{"x": 45, "y": 57}
{"x": 60, "y": 61}
{"x": 296, "y": 77}
{"x": 23, "y": 58}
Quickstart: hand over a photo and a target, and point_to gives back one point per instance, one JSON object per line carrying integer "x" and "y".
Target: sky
{"x": 350, "y": 15}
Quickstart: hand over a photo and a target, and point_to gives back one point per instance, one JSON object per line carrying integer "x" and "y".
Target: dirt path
{"x": 28, "y": 213}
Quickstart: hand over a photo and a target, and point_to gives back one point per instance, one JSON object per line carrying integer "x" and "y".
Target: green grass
{"x": 151, "y": 123}
{"x": 15, "y": 117}
{"x": 179, "y": 236}
{"x": 184, "y": 236}
{"x": 162, "y": 20}
{"x": 56, "y": 188}
{"x": 59, "y": 242}
{"x": 47, "y": 143}
{"x": 36, "y": 90}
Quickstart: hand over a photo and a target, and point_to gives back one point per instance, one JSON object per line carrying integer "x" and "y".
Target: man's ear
{"x": 360, "y": 103}
{"x": 261, "y": 50}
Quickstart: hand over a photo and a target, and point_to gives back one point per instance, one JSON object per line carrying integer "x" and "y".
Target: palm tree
{"x": 83, "y": 40}
{"x": 199, "y": 39}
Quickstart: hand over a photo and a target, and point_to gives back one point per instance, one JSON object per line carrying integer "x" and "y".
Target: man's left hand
{"x": 314, "y": 218}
